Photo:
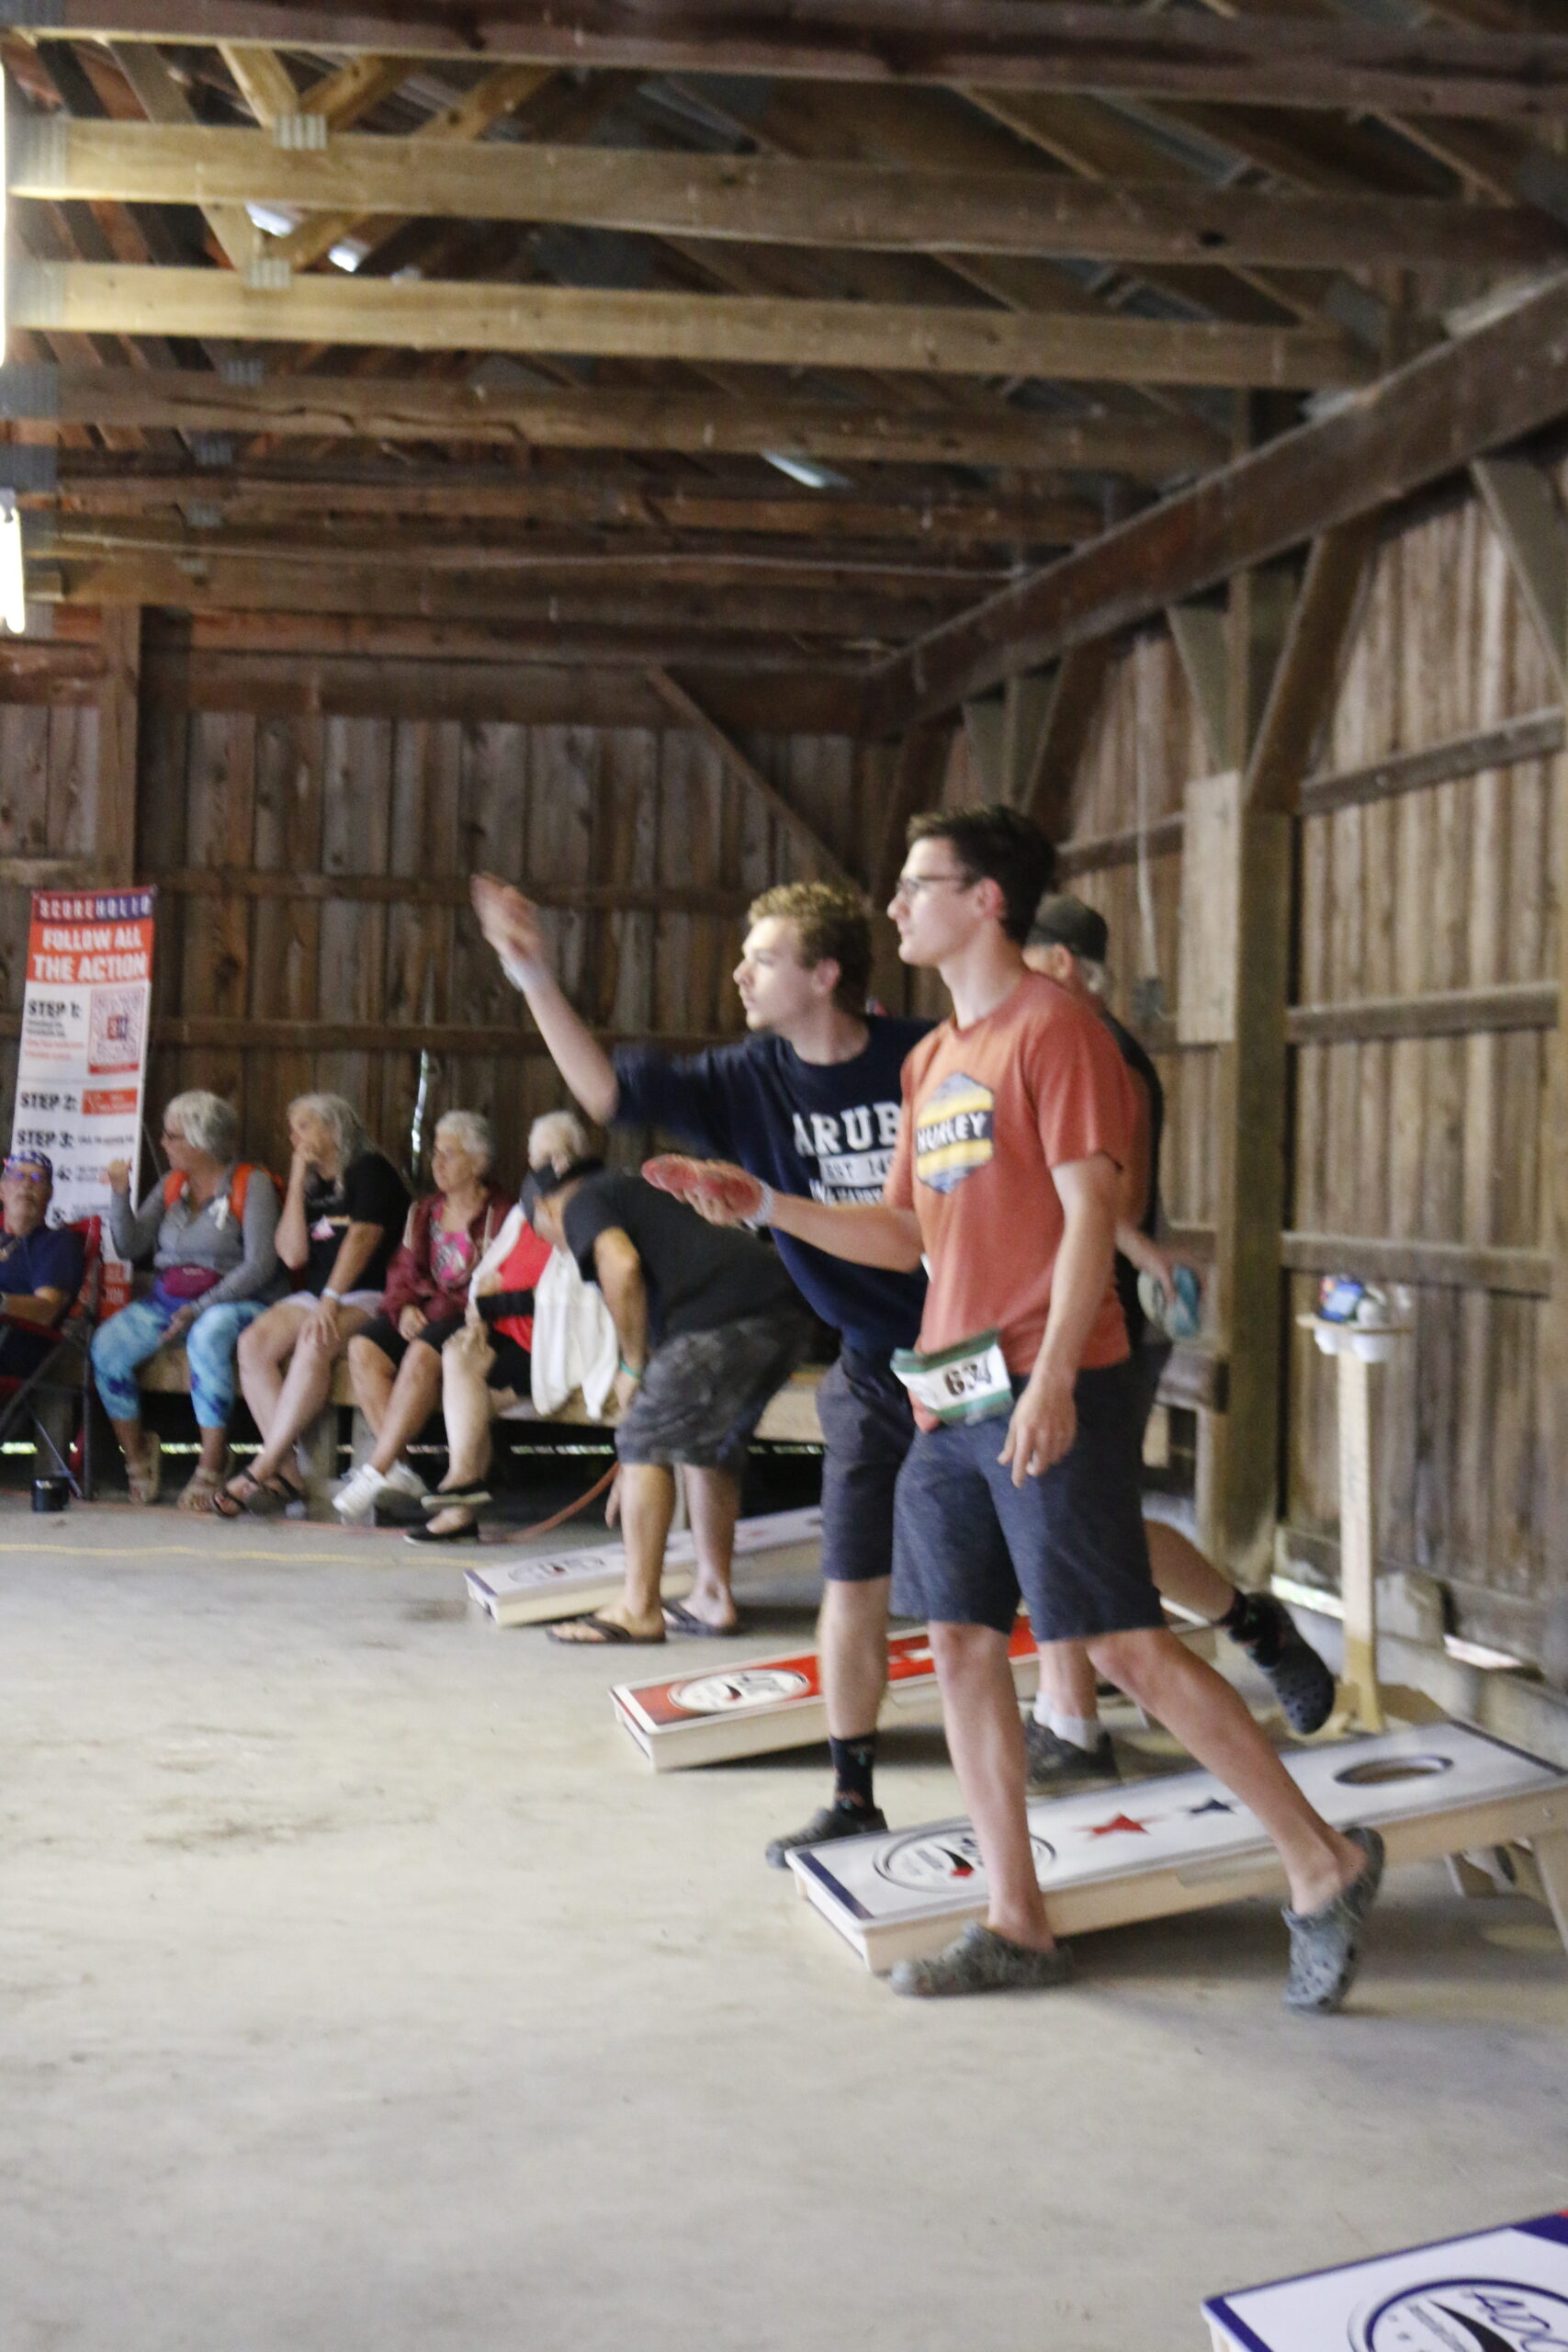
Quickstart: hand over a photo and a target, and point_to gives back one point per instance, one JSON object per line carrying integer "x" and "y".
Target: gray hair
{"x": 207, "y": 1123}
{"x": 473, "y": 1133}
{"x": 341, "y": 1120}
{"x": 1095, "y": 976}
{"x": 557, "y": 1140}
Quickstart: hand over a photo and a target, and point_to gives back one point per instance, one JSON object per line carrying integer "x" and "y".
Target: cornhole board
{"x": 1500, "y": 2291}
{"x": 777, "y": 1702}
{"x": 534, "y": 1588}
{"x": 1181, "y": 1842}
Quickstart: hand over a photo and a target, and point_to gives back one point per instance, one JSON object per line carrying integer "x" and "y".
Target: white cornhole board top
{"x": 774, "y": 1703}
{"x": 527, "y": 1589}
{"x": 1180, "y": 1842}
{"x": 1501, "y": 2291}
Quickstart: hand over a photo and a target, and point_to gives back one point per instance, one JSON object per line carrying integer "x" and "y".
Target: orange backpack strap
{"x": 174, "y": 1186}
{"x": 242, "y": 1184}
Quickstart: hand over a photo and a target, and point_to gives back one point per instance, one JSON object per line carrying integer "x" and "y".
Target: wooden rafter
{"x": 457, "y": 315}
{"x": 715, "y": 424}
{"x": 689, "y": 712}
{"x": 1038, "y": 45}
{"x": 1486, "y": 388}
{"x": 757, "y": 198}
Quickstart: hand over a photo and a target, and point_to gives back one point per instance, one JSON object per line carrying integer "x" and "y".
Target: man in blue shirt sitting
{"x": 40, "y": 1265}
{"x": 809, "y": 1103}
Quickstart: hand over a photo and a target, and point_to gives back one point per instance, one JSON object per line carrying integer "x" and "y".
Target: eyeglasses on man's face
{"x": 912, "y": 887}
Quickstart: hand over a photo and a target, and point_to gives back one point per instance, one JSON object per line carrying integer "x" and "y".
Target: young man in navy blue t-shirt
{"x": 809, "y": 1103}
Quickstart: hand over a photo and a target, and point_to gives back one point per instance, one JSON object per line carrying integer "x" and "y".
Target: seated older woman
{"x": 486, "y": 1368}
{"x": 209, "y": 1229}
{"x": 342, "y": 1215}
{"x": 395, "y": 1360}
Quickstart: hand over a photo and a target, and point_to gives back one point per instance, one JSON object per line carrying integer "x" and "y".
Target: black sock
{"x": 854, "y": 1761}
{"x": 1251, "y": 1620}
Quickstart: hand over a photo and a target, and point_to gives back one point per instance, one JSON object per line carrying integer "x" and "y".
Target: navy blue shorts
{"x": 867, "y": 1430}
{"x": 969, "y": 1545}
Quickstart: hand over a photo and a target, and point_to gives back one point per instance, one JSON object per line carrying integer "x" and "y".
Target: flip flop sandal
{"x": 606, "y": 1636}
{"x": 682, "y": 1621}
{"x": 268, "y": 1497}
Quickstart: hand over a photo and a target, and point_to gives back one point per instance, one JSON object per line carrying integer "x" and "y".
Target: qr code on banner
{"x": 114, "y": 1033}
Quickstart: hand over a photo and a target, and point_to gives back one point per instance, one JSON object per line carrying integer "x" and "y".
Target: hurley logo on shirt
{"x": 954, "y": 1133}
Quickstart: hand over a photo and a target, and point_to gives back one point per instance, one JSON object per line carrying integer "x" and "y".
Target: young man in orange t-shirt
{"x": 1024, "y": 1481}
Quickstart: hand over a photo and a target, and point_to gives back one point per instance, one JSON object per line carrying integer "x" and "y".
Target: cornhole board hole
{"x": 1500, "y": 2291}
{"x": 538, "y": 1587}
{"x": 1181, "y": 1842}
{"x": 776, "y": 1703}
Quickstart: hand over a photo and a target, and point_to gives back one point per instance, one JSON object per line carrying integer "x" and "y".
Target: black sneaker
{"x": 833, "y": 1821}
{"x": 1290, "y": 1667}
{"x": 1325, "y": 1946}
{"x": 1056, "y": 1765}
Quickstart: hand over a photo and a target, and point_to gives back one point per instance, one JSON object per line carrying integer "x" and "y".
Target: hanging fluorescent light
{"x": 12, "y": 588}
{"x": 806, "y": 471}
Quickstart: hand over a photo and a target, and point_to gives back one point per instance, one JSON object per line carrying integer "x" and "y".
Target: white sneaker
{"x": 405, "y": 1481}
{"x": 356, "y": 1499}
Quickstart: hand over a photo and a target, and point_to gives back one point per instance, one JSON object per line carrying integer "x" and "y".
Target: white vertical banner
{"x": 82, "y": 1067}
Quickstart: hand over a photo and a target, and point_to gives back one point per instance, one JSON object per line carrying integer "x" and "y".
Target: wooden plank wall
{"x": 1412, "y": 1138}
{"x": 266, "y": 991}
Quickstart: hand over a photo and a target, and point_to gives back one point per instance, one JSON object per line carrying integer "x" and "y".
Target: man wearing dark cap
{"x": 709, "y": 1327}
{"x": 1070, "y": 942}
{"x": 40, "y": 1265}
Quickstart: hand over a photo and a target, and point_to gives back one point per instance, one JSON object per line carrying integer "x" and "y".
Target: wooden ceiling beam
{"x": 515, "y": 497}
{"x": 688, "y": 712}
{"x": 1037, "y": 45}
{"x": 1486, "y": 388}
{"x": 164, "y": 102}
{"x": 711, "y": 423}
{"x": 535, "y": 614}
{"x": 452, "y": 314}
{"x": 757, "y": 198}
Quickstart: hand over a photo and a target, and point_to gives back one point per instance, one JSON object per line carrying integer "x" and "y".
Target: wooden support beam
{"x": 594, "y": 502}
{"x": 716, "y": 422}
{"x": 164, "y": 102}
{"x": 916, "y": 786}
{"x": 1272, "y": 744}
{"x": 1038, "y": 45}
{"x": 1437, "y": 1012}
{"x": 689, "y": 712}
{"x": 1046, "y": 791}
{"x": 1450, "y": 1265}
{"x": 399, "y": 890}
{"x": 267, "y": 87}
{"x": 467, "y": 117}
{"x": 459, "y": 314}
{"x": 1534, "y": 735}
{"x": 1306, "y": 680}
{"x": 1522, "y": 502}
{"x": 1198, "y": 633}
{"x": 757, "y": 198}
{"x": 119, "y": 703}
{"x": 536, "y": 615}
{"x": 1489, "y": 386}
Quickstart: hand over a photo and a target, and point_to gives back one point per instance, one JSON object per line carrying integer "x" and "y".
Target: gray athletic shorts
{"x": 867, "y": 1430}
{"x": 968, "y": 1544}
{"x": 703, "y": 1393}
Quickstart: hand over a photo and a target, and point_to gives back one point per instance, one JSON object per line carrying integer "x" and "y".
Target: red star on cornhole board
{"x": 1120, "y": 1821}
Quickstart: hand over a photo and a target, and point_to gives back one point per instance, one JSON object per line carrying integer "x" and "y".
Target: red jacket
{"x": 410, "y": 1279}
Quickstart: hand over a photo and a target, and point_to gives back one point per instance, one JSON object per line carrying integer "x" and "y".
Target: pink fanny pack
{"x": 187, "y": 1281}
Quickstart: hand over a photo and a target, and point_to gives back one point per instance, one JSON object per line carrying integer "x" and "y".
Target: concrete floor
{"x": 361, "y": 1994}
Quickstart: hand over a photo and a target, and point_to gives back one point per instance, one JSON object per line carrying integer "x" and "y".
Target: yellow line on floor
{"x": 198, "y": 1552}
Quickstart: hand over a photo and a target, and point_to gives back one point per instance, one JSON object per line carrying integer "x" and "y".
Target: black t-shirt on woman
{"x": 369, "y": 1192}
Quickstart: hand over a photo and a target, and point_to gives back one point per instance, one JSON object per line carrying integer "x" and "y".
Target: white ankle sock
{"x": 1080, "y": 1730}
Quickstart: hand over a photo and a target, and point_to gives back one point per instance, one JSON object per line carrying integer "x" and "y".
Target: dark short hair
{"x": 1066, "y": 922}
{"x": 832, "y": 921}
{"x": 995, "y": 843}
{"x": 540, "y": 1182}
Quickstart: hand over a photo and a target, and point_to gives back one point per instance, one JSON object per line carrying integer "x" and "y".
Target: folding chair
{"x": 65, "y": 1371}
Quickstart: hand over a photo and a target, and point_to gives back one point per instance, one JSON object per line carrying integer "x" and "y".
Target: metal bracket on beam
{"x": 29, "y": 391}
{"x": 26, "y": 468}
{"x": 268, "y": 274}
{"x": 301, "y": 131}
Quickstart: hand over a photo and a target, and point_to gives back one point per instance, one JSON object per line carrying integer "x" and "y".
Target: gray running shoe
{"x": 982, "y": 1961}
{"x": 1055, "y": 1765}
{"x": 1325, "y": 1946}
{"x": 1294, "y": 1672}
{"x": 833, "y": 1821}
